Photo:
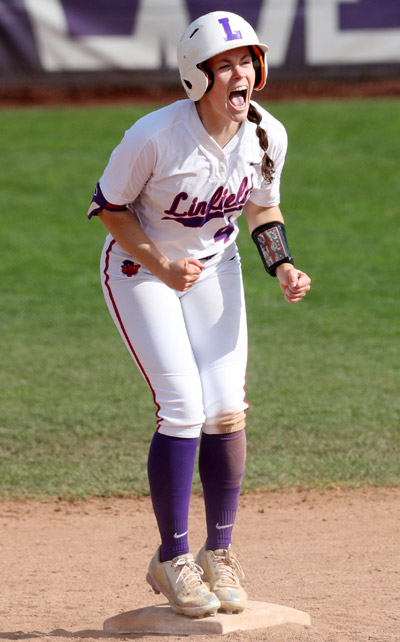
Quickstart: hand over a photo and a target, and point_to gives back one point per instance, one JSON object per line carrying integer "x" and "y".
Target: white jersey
{"x": 185, "y": 189}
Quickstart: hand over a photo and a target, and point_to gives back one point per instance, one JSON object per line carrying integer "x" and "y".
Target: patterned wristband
{"x": 272, "y": 245}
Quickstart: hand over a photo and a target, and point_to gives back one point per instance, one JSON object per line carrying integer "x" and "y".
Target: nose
{"x": 238, "y": 71}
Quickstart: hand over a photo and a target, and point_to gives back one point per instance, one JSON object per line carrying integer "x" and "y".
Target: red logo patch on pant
{"x": 129, "y": 268}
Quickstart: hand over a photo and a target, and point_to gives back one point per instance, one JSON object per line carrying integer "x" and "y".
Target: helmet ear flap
{"x": 208, "y": 74}
{"x": 260, "y": 67}
{"x": 195, "y": 83}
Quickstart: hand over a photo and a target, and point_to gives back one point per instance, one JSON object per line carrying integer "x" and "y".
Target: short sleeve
{"x": 129, "y": 168}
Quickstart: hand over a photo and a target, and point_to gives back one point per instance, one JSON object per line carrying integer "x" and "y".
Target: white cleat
{"x": 179, "y": 580}
{"x": 223, "y": 572}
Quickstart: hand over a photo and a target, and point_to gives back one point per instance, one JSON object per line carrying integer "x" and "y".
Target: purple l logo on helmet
{"x": 230, "y": 35}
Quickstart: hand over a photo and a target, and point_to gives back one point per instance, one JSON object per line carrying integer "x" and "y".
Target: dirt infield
{"x": 66, "y": 567}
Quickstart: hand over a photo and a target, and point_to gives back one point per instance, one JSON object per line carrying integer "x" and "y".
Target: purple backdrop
{"x": 22, "y": 54}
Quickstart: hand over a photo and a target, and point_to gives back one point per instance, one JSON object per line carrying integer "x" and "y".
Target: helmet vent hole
{"x": 188, "y": 84}
{"x": 195, "y": 31}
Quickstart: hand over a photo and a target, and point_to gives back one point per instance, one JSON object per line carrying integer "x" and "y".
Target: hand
{"x": 181, "y": 274}
{"x": 294, "y": 283}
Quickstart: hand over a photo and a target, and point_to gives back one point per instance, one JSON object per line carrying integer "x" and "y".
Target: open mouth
{"x": 238, "y": 96}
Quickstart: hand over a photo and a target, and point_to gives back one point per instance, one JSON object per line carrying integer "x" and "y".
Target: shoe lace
{"x": 190, "y": 573}
{"x": 229, "y": 567}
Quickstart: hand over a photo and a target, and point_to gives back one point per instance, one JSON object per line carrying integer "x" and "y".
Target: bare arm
{"x": 126, "y": 230}
{"x": 293, "y": 282}
{"x": 256, "y": 215}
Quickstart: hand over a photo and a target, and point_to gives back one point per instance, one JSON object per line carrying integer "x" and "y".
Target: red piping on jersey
{"x": 131, "y": 348}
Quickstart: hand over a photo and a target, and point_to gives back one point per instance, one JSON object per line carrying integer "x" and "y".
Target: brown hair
{"x": 267, "y": 164}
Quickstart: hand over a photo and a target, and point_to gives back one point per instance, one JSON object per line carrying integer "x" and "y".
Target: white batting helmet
{"x": 210, "y": 35}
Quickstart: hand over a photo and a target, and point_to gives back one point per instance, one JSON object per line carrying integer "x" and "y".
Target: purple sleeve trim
{"x": 99, "y": 202}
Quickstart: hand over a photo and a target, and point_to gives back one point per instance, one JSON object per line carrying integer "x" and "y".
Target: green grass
{"x": 76, "y": 417}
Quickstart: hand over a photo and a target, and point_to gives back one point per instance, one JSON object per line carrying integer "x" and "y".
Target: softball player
{"x": 170, "y": 198}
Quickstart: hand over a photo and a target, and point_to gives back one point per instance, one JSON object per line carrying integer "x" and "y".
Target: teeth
{"x": 244, "y": 88}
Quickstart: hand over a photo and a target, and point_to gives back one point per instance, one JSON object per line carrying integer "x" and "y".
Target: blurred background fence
{"x": 128, "y": 44}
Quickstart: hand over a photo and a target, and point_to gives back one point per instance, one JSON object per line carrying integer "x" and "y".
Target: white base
{"x": 161, "y": 619}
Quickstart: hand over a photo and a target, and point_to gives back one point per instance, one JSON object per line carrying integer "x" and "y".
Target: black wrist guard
{"x": 272, "y": 245}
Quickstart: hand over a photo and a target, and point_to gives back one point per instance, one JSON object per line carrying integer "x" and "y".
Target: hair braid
{"x": 267, "y": 164}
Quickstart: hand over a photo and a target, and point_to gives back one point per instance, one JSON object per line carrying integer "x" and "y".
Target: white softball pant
{"x": 190, "y": 347}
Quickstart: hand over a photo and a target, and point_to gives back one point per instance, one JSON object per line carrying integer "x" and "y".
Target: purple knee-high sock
{"x": 170, "y": 471}
{"x": 222, "y": 460}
